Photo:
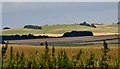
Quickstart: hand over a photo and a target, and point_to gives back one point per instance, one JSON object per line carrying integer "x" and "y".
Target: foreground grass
{"x": 35, "y": 57}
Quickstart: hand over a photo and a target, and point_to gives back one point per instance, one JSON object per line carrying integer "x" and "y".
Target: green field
{"x": 60, "y": 29}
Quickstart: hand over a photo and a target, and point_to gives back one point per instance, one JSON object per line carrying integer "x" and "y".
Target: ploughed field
{"x": 71, "y": 41}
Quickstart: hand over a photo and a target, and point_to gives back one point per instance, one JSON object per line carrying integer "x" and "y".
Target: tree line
{"x": 86, "y": 24}
{"x": 19, "y": 37}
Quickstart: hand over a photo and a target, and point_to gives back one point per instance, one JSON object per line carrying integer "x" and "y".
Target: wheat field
{"x": 30, "y": 50}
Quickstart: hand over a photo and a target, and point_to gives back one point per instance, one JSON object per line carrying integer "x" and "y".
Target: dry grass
{"x": 51, "y": 35}
{"x": 30, "y": 51}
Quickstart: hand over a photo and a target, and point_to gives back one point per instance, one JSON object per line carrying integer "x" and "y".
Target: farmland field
{"x": 88, "y": 51}
{"x": 59, "y": 30}
{"x": 36, "y": 52}
{"x": 69, "y": 40}
{"x": 60, "y": 35}
{"x": 31, "y": 49}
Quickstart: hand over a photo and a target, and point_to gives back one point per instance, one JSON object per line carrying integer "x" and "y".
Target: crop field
{"x": 61, "y": 29}
{"x": 100, "y": 50}
{"x": 29, "y": 49}
{"x": 29, "y": 56}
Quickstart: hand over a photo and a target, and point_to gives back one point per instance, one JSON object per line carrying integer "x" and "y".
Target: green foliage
{"x": 53, "y": 51}
{"x": 11, "y": 53}
{"x": 90, "y": 61}
{"x": 4, "y": 48}
{"x": 105, "y": 56}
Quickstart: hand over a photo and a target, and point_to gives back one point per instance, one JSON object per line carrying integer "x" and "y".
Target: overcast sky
{"x": 59, "y": 0}
{"x": 18, "y": 14}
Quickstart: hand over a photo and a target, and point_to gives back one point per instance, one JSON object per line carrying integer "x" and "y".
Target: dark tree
{"x": 85, "y": 24}
{"x": 93, "y": 25}
{"x": 6, "y": 28}
{"x": 41, "y": 44}
{"x": 46, "y": 45}
{"x": 32, "y": 27}
{"x": 77, "y": 33}
{"x": 118, "y": 23}
{"x": 53, "y": 51}
{"x": 105, "y": 45}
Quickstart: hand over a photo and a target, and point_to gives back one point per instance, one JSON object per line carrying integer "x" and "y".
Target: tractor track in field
{"x": 70, "y": 40}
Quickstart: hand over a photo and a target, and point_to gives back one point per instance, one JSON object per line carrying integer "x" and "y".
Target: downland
{"x": 59, "y": 30}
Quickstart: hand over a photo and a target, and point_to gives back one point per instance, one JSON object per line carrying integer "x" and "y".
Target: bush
{"x": 86, "y": 24}
{"x": 6, "y": 28}
{"x": 32, "y": 27}
{"x": 93, "y": 25}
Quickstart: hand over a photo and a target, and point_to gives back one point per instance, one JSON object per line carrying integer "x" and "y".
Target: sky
{"x": 18, "y": 14}
{"x": 59, "y": 0}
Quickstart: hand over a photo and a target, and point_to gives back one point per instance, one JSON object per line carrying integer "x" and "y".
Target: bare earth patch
{"x": 53, "y": 35}
{"x": 97, "y": 34}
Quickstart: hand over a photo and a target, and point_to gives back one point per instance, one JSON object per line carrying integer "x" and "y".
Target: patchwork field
{"x": 89, "y": 51}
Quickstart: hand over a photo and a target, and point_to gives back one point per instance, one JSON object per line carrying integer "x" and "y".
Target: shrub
{"x": 32, "y": 27}
{"x": 87, "y": 24}
{"x": 6, "y": 28}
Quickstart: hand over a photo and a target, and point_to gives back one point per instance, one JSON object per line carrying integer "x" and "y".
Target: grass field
{"x": 60, "y": 29}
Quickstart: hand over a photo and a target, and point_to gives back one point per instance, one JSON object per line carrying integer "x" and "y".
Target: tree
{"x": 118, "y": 23}
{"x": 32, "y": 27}
{"x": 6, "y": 28}
{"x": 93, "y": 25}
{"x": 85, "y": 24}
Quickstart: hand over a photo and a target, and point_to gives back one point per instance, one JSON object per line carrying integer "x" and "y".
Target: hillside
{"x": 60, "y": 29}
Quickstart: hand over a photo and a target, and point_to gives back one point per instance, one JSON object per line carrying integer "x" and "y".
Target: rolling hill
{"x": 60, "y": 29}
